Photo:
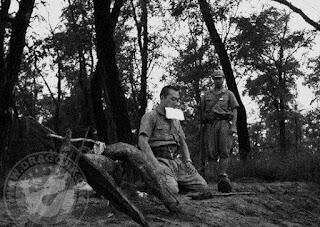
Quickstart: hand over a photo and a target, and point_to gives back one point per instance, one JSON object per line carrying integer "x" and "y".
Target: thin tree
{"x": 79, "y": 29}
{"x": 142, "y": 37}
{"x": 105, "y": 22}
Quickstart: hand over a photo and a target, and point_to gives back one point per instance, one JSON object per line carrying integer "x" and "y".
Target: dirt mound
{"x": 269, "y": 204}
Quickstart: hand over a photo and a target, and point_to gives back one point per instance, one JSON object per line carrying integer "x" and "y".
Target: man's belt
{"x": 217, "y": 117}
{"x": 165, "y": 151}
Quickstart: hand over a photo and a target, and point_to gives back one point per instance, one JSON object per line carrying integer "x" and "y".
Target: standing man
{"x": 220, "y": 126}
{"x": 163, "y": 140}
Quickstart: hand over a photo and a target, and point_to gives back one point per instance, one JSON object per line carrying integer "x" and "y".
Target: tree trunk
{"x": 86, "y": 106}
{"x": 282, "y": 138}
{"x": 151, "y": 174}
{"x": 34, "y": 98}
{"x": 105, "y": 22}
{"x": 9, "y": 68}
{"x": 103, "y": 118}
{"x": 144, "y": 58}
{"x": 105, "y": 185}
{"x": 243, "y": 134}
{"x": 59, "y": 94}
{"x": 282, "y": 101}
{"x": 282, "y": 115}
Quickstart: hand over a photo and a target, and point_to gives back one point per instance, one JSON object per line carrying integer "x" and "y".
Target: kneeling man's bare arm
{"x": 145, "y": 147}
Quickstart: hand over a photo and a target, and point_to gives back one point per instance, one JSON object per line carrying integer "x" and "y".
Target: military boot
{"x": 224, "y": 183}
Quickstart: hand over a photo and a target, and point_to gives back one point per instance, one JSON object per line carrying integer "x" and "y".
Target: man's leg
{"x": 225, "y": 145}
{"x": 190, "y": 180}
{"x": 225, "y": 139}
{"x": 212, "y": 170}
{"x": 210, "y": 145}
{"x": 223, "y": 166}
{"x": 170, "y": 173}
{"x": 224, "y": 183}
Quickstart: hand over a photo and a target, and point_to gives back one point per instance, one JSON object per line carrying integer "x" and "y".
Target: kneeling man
{"x": 164, "y": 139}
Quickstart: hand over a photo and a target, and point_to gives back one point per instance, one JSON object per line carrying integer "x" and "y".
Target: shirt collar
{"x": 160, "y": 110}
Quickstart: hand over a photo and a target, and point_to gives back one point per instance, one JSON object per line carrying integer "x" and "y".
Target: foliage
{"x": 266, "y": 48}
{"x": 28, "y": 87}
{"x": 313, "y": 79}
{"x": 264, "y": 135}
{"x": 311, "y": 130}
{"x": 129, "y": 43}
{"x": 67, "y": 54}
{"x": 192, "y": 70}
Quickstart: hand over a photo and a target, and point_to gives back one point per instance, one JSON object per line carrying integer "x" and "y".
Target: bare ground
{"x": 271, "y": 204}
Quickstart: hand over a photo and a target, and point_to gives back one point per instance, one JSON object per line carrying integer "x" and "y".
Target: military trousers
{"x": 179, "y": 178}
{"x": 218, "y": 139}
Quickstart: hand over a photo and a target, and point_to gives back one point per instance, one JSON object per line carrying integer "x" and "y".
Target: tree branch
{"x": 48, "y": 87}
{"x": 116, "y": 12}
{"x": 138, "y": 25}
{"x": 308, "y": 40}
{"x": 301, "y": 13}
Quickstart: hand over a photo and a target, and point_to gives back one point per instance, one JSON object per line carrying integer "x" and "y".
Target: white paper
{"x": 172, "y": 113}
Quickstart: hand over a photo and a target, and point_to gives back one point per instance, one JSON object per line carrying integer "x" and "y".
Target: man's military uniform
{"x": 218, "y": 113}
{"x": 164, "y": 140}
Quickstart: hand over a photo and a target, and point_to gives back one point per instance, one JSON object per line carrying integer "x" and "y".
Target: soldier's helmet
{"x": 218, "y": 73}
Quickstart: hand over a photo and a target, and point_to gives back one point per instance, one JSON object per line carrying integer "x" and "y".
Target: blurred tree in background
{"x": 266, "y": 47}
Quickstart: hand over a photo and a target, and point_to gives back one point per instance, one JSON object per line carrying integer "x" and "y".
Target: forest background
{"x": 98, "y": 67}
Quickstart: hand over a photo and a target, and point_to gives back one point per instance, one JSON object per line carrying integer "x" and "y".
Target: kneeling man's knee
{"x": 172, "y": 184}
